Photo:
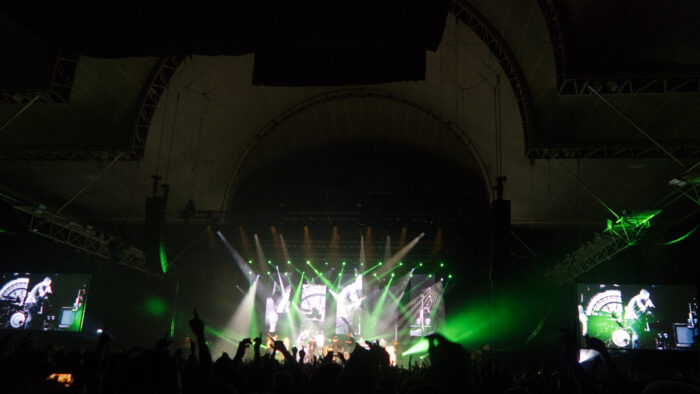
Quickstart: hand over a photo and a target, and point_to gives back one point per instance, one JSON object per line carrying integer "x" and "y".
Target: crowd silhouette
{"x": 448, "y": 369}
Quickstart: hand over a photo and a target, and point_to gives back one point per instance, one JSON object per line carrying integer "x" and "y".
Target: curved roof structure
{"x": 508, "y": 81}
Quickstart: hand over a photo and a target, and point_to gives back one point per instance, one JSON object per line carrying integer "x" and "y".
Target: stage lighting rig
{"x": 618, "y": 235}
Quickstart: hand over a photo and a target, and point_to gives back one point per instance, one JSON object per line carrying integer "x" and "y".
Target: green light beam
{"x": 389, "y": 271}
{"x": 297, "y": 292}
{"x": 379, "y": 264}
{"x": 163, "y": 258}
{"x": 419, "y": 347}
{"x": 320, "y": 276}
{"x": 683, "y": 237}
{"x": 379, "y": 308}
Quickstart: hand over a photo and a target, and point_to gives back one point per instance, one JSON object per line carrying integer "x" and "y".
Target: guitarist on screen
{"x": 34, "y": 300}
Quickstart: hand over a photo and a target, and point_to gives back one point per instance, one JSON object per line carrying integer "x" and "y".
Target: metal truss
{"x": 628, "y": 85}
{"x": 57, "y": 92}
{"x": 603, "y": 247}
{"x": 63, "y": 153}
{"x": 134, "y": 258}
{"x": 468, "y": 15}
{"x": 64, "y": 230}
{"x": 60, "y": 90}
{"x": 568, "y": 84}
{"x": 368, "y": 218}
{"x": 550, "y": 11}
{"x": 150, "y": 96}
{"x": 618, "y": 236}
{"x": 614, "y": 151}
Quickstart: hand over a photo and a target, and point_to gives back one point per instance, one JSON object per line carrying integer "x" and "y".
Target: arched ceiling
{"x": 210, "y": 112}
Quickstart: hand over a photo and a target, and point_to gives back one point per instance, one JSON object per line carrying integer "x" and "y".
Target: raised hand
{"x": 164, "y": 342}
{"x": 302, "y": 355}
{"x": 278, "y": 345}
{"x": 595, "y": 344}
{"x": 197, "y": 325}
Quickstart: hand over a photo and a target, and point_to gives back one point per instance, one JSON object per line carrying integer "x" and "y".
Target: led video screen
{"x": 313, "y": 302}
{"x": 277, "y": 304}
{"x": 639, "y": 316}
{"x": 349, "y": 307}
{"x": 47, "y": 302}
{"x": 425, "y": 306}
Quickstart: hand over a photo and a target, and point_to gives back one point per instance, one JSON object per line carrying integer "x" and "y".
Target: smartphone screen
{"x": 65, "y": 379}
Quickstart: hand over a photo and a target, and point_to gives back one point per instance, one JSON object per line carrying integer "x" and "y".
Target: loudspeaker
{"x": 500, "y": 239}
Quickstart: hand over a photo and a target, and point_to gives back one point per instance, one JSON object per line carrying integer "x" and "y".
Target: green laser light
{"x": 442, "y": 264}
{"x": 250, "y": 261}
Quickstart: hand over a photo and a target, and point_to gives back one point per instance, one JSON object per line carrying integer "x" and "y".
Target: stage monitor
{"x": 662, "y": 317}
{"x": 46, "y": 302}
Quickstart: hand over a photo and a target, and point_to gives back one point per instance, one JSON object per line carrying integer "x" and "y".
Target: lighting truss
{"x": 134, "y": 258}
{"x": 64, "y": 230}
{"x": 619, "y": 235}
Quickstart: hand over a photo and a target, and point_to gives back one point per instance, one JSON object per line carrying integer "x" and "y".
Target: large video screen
{"x": 639, "y": 316}
{"x": 277, "y": 304}
{"x": 349, "y": 307}
{"x": 425, "y": 306}
{"x": 47, "y": 302}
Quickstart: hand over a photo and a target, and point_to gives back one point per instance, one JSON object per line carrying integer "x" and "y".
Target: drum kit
{"x": 616, "y": 332}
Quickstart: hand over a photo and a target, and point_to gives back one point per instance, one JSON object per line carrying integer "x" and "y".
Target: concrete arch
{"x": 342, "y": 94}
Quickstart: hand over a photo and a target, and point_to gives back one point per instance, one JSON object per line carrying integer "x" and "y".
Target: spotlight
{"x": 289, "y": 262}
{"x": 250, "y": 261}
{"x": 343, "y": 263}
{"x": 380, "y": 263}
{"x": 269, "y": 262}
{"x": 400, "y": 263}
{"x": 326, "y": 263}
{"x": 250, "y": 272}
{"x": 99, "y": 331}
{"x": 442, "y": 264}
{"x": 392, "y": 274}
{"x": 361, "y": 264}
{"x": 375, "y": 274}
{"x": 449, "y": 276}
{"x": 430, "y": 275}
{"x": 268, "y": 272}
{"x": 442, "y": 279}
{"x": 308, "y": 262}
{"x": 420, "y": 264}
